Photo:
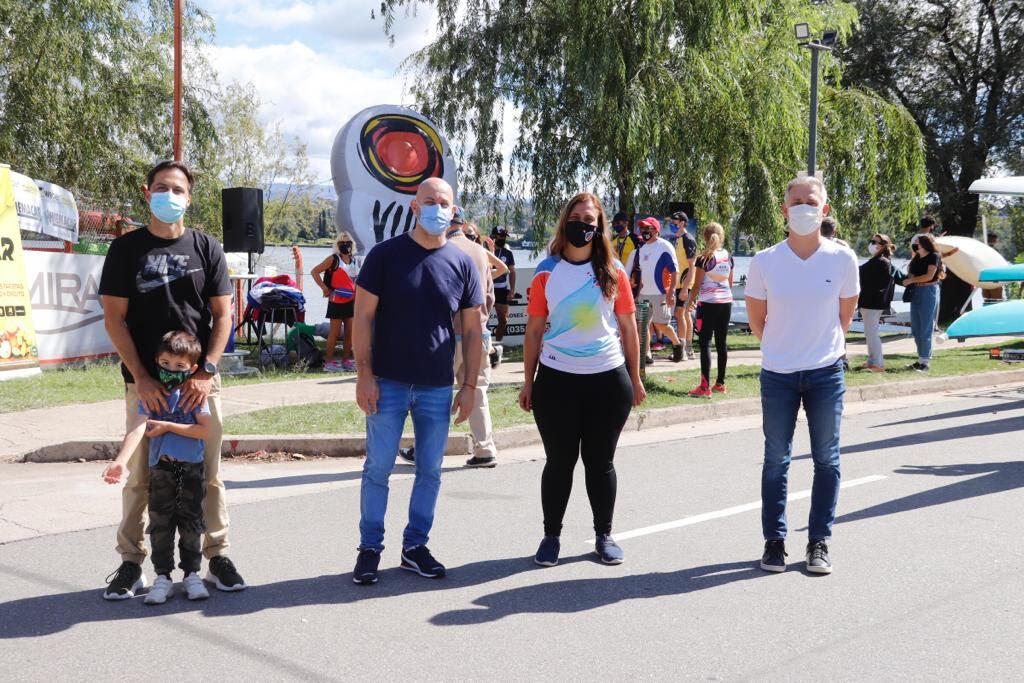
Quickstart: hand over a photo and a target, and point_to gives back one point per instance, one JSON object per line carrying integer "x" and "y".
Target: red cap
{"x": 649, "y": 222}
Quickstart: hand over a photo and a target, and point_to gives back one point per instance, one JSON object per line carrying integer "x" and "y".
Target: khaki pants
{"x": 131, "y": 543}
{"x": 480, "y": 419}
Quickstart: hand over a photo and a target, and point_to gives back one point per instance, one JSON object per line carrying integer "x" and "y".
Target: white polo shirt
{"x": 802, "y": 330}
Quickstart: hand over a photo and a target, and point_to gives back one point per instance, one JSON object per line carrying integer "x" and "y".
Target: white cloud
{"x": 312, "y": 94}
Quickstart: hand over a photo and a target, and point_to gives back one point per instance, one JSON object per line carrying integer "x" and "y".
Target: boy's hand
{"x": 113, "y": 472}
{"x": 156, "y": 427}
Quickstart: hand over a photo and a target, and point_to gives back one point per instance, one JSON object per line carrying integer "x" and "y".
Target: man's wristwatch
{"x": 210, "y": 367}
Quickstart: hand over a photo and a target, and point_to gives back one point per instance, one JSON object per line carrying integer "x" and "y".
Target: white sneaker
{"x": 162, "y": 589}
{"x": 194, "y": 587}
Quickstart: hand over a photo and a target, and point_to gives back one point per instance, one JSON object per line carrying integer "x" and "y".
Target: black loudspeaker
{"x": 242, "y": 214}
{"x": 685, "y": 207}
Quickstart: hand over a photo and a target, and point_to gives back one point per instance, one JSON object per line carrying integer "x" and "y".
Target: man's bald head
{"x": 435, "y": 191}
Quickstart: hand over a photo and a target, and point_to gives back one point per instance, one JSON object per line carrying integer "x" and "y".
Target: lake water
{"x": 280, "y": 258}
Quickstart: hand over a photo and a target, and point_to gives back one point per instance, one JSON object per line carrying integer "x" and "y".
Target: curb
{"x": 354, "y": 445}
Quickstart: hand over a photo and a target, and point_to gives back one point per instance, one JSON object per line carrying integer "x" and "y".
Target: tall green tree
{"x": 956, "y": 65}
{"x": 85, "y": 92}
{"x": 650, "y": 100}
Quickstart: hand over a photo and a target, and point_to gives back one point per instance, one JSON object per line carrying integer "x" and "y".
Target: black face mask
{"x": 499, "y": 242}
{"x": 619, "y": 229}
{"x": 580, "y": 234}
{"x": 646, "y": 236}
{"x": 345, "y": 247}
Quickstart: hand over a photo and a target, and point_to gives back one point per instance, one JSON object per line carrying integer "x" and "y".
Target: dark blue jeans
{"x": 821, "y": 392}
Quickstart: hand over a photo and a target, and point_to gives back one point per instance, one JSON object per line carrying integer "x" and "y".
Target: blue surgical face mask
{"x": 435, "y": 218}
{"x": 167, "y": 206}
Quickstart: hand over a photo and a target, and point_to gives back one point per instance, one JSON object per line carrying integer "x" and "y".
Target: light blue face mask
{"x": 167, "y": 206}
{"x": 435, "y": 219}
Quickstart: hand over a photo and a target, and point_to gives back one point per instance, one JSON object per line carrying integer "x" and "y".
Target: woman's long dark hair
{"x": 601, "y": 254}
{"x": 927, "y": 242}
{"x": 888, "y": 248}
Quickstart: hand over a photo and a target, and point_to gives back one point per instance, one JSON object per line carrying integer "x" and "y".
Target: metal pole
{"x": 812, "y": 147}
{"x": 177, "y": 79}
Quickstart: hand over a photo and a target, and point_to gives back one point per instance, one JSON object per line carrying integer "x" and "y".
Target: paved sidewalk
{"x": 29, "y": 430}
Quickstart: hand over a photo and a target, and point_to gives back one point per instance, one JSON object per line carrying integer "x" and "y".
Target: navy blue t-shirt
{"x": 419, "y": 290}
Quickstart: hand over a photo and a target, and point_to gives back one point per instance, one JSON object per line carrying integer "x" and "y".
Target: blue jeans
{"x": 821, "y": 392}
{"x": 923, "y": 309}
{"x": 431, "y": 414}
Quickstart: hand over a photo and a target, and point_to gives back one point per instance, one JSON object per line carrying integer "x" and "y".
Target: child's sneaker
{"x": 194, "y": 587}
{"x": 348, "y": 365}
{"x": 162, "y": 589}
{"x": 719, "y": 388}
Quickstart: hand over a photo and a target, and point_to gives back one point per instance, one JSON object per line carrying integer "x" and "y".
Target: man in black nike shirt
{"x": 155, "y": 280}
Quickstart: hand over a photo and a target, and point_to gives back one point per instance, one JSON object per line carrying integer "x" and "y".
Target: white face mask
{"x": 804, "y": 219}
{"x": 872, "y": 249}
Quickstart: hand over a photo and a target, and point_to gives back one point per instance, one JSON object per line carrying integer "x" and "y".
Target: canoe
{"x": 971, "y": 258}
{"x": 1002, "y": 276}
{"x": 1006, "y": 318}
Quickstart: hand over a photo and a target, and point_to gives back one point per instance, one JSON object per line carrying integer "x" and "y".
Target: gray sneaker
{"x": 818, "y": 561}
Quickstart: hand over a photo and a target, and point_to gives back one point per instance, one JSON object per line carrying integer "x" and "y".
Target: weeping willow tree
{"x": 653, "y": 100}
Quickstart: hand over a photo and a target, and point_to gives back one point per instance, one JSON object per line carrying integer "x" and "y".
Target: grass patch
{"x": 663, "y": 391}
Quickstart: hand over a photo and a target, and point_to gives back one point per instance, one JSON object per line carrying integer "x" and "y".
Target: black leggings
{"x": 580, "y": 414}
{"x": 714, "y": 320}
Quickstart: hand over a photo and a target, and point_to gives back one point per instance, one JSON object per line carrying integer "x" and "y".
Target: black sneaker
{"x": 477, "y": 461}
{"x": 365, "y": 572}
{"x": 222, "y": 574}
{"x": 495, "y": 356}
{"x": 649, "y": 360}
{"x": 774, "y": 558}
{"x": 124, "y": 582}
{"x": 407, "y": 456}
{"x": 418, "y": 559}
{"x": 818, "y": 561}
{"x": 677, "y": 353}
{"x": 918, "y": 366}
{"x": 547, "y": 553}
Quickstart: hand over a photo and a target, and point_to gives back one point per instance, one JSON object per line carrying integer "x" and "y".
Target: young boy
{"x": 177, "y": 477}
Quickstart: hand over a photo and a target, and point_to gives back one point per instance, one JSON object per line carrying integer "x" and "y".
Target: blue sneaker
{"x": 418, "y": 559}
{"x": 608, "y": 550}
{"x": 547, "y": 553}
{"x": 365, "y": 572}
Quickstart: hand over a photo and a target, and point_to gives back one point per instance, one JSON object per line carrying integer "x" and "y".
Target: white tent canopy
{"x": 1013, "y": 186}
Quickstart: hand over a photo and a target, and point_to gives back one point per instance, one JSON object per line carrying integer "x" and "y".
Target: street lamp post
{"x": 177, "y": 79}
{"x": 816, "y": 46}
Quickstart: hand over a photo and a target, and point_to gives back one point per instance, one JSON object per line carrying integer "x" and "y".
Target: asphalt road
{"x": 927, "y": 582}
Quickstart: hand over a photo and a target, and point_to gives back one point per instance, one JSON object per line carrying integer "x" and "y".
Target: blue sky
{"x": 315, "y": 63}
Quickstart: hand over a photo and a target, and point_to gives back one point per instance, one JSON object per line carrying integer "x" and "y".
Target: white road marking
{"x": 728, "y": 512}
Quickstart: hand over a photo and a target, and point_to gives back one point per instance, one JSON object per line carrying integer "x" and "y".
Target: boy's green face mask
{"x": 172, "y": 379}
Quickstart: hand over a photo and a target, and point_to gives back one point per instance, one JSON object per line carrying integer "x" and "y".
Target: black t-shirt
{"x": 506, "y": 256}
{"x": 919, "y": 266}
{"x": 168, "y": 284}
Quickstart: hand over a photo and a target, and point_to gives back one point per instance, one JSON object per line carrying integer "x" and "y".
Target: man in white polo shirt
{"x": 800, "y": 296}
{"x": 655, "y": 264}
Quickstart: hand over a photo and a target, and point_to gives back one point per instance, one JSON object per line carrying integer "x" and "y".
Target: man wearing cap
{"x": 656, "y": 267}
{"x": 686, "y": 251}
{"x": 624, "y": 242}
{"x": 504, "y": 286}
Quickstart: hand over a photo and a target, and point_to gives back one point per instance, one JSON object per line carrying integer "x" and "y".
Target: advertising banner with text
{"x": 18, "y": 351}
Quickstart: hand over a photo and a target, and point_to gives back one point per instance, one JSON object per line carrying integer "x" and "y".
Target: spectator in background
{"x": 924, "y": 274}
{"x": 686, "y": 251}
{"x": 926, "y": 226}
{"x": 712, "y": 292}
{"x": 336, "y": 276}
{"x": 654, "y": 269}
{"x": 877, "y": 284}
{"x": 624, "y": 242}
{"x": 504, "y": 290}
{"x": 830, "y": 230}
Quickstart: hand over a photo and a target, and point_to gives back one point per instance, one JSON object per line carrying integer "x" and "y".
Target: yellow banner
{"x": 18, "y": 353}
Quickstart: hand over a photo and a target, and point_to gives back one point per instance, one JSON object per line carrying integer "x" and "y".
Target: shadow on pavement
{"x": 996, "y": 477}
{"x": 579, "y": 595}
{"x": 294, "y": 480}
{"x": 47, "y": 614}
{"x": 979, "y": 410}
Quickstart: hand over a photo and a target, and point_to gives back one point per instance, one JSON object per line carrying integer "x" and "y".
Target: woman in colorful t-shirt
{"x": 336, "y": 276}
{"x": 712, "y": 293}
{"x": 589, "y": 374}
